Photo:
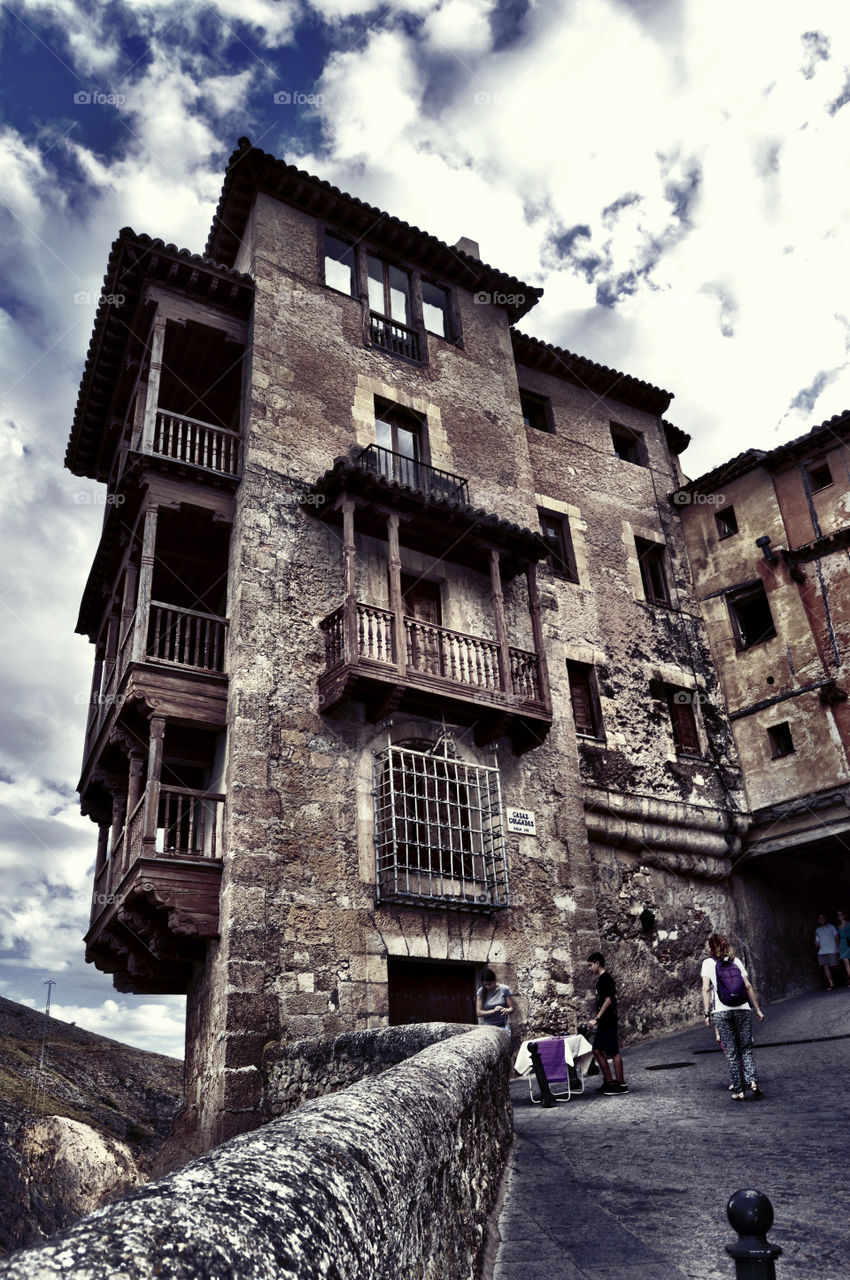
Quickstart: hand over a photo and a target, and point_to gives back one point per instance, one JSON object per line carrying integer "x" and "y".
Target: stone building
{"x": 767, "y": 536}
{"x": 399, "y": 667}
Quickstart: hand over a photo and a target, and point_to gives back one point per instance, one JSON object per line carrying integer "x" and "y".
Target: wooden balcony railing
{"x": 436, "y": 651}
{"x": 416, "y": 475}
{"x": 394, "y": 337}
{"x": 199, "y": 443}
{"x": 431, "y": 650}
{"x": 189, "y": 823}
{"x": 185, "y": 637}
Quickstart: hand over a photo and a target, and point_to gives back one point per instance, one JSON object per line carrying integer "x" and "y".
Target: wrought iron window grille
{"x": 439, "y": 836}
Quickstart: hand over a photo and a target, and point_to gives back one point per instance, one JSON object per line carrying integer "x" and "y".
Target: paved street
{"x": 635, "y": 1187}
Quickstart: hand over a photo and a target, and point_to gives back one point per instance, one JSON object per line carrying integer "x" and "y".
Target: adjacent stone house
{"x": 767, "y": 536}
{"x": 400, "y": 671}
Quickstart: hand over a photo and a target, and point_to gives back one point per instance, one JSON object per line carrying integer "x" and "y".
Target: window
{"x": 820, "y": 476}
{"x": 628, "y": 445}
{"x": 389, "y": 290}
{"x": 653, "y": 573}
{"x": 339, "y": 265}
{"x": 680, "y": 704}
{"x": 400, "y": 434}
{"x": 584, "y": 697}
{"x": 535, "y": 411}
{"x": 781, "y": 742}
{"x": 438, "y": 828}
{"x": 556, "y": 530}
{"x": 435, "y": 310}
{"x": 726, "y": 522}
{"x": 752, "y": 621}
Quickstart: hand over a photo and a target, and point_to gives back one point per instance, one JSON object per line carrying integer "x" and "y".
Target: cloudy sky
{"x": 670, "y": 171}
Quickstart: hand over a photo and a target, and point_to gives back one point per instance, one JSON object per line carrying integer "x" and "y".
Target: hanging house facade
{"x": 399, "y": 669}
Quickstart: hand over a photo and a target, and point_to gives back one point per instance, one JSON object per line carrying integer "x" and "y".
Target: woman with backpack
{"x": 728, "y": 999}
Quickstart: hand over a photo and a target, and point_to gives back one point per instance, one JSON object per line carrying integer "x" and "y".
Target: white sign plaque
{"x": 522, "y": 822}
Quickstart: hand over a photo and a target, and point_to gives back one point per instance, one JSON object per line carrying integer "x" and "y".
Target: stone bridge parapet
{"x": 390, "y": 1178}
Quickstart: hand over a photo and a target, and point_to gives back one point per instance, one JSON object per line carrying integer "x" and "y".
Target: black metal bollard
{"x": 751, "y": 1215}
{"x": 547, "y": 1097}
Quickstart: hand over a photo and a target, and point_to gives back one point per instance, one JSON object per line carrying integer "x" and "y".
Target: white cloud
{"x": 159, "y": 1027}
{"x": 460, "y": 27}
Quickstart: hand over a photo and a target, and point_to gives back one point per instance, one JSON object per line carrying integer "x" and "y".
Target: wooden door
{"x": 423, "y": 991}
{"x": 422, "y": 601}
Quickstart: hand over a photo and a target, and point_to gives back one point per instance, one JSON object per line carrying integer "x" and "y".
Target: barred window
{"x": 438, "y": 829}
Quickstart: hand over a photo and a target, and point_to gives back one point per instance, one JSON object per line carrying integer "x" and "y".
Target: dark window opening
{"x": 781, "y": 742}
{"x": 339, "y": 265}
{"x": 535, "y": 411}
{"x": 628, "y": 445}
{"x": 752, "y": 621}
{"x": 429, "y": 991}
{"x": 726, "y": 521}
{"x": 556, "y": 530}
{"x": 651, "y": 557}
{"x": 584, "y": 697}
{"x": 201, "y": 379}
{"x": 820, "y": 476}
{"x": 680, "y": 703}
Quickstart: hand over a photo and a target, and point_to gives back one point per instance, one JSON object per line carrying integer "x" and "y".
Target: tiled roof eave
{"x": 251, "y": 171}
{"x": 134, "y": 261}
{"x": 582, "y": 372}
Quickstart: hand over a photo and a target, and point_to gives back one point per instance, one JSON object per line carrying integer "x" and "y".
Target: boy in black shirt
{"x": 605, "y": 1043}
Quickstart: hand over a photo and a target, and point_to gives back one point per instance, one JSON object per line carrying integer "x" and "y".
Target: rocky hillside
{"x": 80, "y": 1131}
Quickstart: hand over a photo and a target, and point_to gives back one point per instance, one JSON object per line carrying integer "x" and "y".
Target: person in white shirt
{"x": 826, "y": 941}
{"x": 728, "y": 998}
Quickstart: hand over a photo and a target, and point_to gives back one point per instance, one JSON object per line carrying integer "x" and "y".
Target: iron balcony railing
{"x": 439, "y": 838}
{"x": 199, "y": 443}
{"x": 460, "y": 659}
{"x": 396, "y": 338}
{"x": 414, "y": 474}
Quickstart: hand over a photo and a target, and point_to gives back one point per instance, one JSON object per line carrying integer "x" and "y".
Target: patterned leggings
{"x": 736, "y": 1033}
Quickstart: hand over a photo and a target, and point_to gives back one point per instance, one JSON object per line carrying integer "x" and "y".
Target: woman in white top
{"x": 728, "y": 999}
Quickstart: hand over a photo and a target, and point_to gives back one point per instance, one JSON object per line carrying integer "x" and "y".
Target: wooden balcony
{"x": 155, "y": 901}
{"x": 168, "y": 636}
{"x": 200, "y": 444}
{"x": 434, "y": 669}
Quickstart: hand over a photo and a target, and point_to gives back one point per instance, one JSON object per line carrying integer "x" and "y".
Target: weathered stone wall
{"x": 390, "y": 1179}
{"x": 295, "y": 1072}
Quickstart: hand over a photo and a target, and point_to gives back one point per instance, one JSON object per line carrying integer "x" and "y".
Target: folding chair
{"x": 564, "y": 1080}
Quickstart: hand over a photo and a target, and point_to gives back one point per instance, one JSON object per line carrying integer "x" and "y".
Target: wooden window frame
{"x": 569, "y": 571}
{"x": 323, "y": 257}
{"x": 584, "y": 700}
{"x": 721, "y": 519}
{"x": 743, "y": 596}
{"x": 683, "y": 720}
{"x": 654, "y": 571}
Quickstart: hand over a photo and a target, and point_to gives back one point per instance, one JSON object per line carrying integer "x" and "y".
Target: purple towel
{"x": 553, "y": 1059}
